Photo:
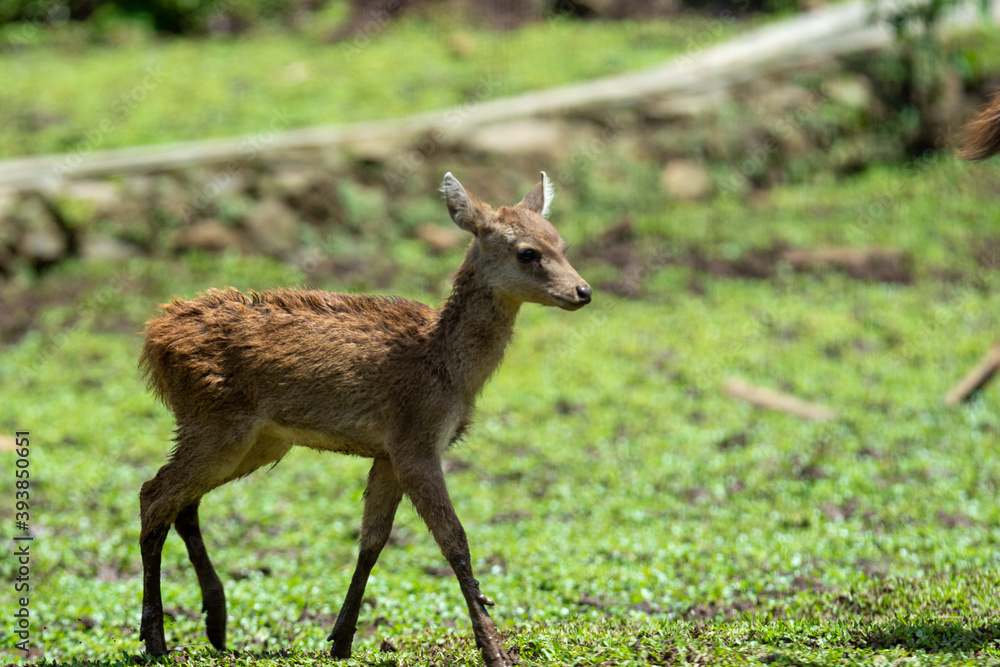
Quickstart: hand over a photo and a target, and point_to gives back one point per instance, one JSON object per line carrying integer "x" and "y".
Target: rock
{"x": 80, "y": 203}
{"x": 292, "y": 182}
{"x": 773, "y": 97}
{"x": 9, "y": 231}
{"x": 673, "y": 107}
{"x": 440, "y": 238}
{"x": 943, "y": 106}
{"x": 174, "y": 199}
{"x": 140, "y": 185}
{"x": 852, "y": 91}
{"x": 9, "y": 262}
{"x": 548, "y": 139}
{"x": 208, "y": 235}
{"x": 272, "y": 228}
{"x": 8, "y": 202}
{"x": 102, "y": 196}
{"x": 132, "y": 222}
{"x": 686, "y": 180}
{"x": 41, "y": 241}
{"x": 102, "y": 248}
{"x": 43, "y": 246}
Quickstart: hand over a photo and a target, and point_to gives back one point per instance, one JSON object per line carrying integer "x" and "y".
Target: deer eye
{"x": 527, "y": 256}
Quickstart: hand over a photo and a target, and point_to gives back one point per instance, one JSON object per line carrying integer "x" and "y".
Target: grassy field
{"x": 622, "y": 510}
{"x": 137, "y": 89}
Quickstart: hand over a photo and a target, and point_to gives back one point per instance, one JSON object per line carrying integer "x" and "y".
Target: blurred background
{"x": 763, "y": 194}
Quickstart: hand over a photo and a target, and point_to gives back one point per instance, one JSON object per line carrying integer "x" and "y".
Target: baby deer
{"x": 981, "y": 138}
{"x": 393, "y": 380}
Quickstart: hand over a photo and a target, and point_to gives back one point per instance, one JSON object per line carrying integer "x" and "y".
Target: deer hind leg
{"x": 382, "y": 496}
{"x": 424, "y": 483}
{"x": 196, "y": 466}
{"x": 161, "y": 501}
{"x": 154, "y": 534}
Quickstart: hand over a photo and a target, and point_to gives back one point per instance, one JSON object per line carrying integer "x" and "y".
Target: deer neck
{"x": 474, "y": 328}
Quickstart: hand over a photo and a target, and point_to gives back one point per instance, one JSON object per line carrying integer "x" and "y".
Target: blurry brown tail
{"x": 981, "y": 135}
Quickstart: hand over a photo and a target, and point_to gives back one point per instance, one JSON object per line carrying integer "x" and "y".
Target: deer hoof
{"x": 156, "y": 645}
{"x": 497, "y": 657}
{"x": 340, "y": 650}
{"x": 156, "y": 649}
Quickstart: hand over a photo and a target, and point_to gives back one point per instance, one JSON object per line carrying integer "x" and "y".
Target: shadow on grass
{"x": 932, "y": 636}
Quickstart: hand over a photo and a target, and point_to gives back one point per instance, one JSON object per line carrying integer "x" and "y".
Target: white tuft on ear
{"x": 548, "y": 192}
{"x": 459, "y": 205}
{"x": 450, "y": 186}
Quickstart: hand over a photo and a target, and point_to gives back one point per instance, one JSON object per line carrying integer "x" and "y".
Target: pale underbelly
{"x": 361, "y": 443}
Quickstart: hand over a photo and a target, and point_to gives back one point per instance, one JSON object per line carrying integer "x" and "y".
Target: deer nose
{"x": 583, "y": 292}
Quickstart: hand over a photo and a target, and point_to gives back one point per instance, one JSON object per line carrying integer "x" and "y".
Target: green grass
{"x": 64, "y": 94}
{"x": 620, "y": 507}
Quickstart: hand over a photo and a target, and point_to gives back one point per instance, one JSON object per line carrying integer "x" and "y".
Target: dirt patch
{"x": 602, "y": 603}
{"x": 712, "y": 610}
{"x": 510, "y": 517}
{"x": 986, "y": 252}
{"x": 734, "y": 441}
{"x": 954, "y": 519}
{"x": 617, "y": 246}
{"x": 18, "y": 316}
{"x": 438, "y": 571}
{"x": 755, "y": 263}
{"x": 870, "y": 264}
{"x": 621, "y": 247}
{"x": 842, "y": 512}
{"x": 884, "y": 265}
{"x": 595, "y": 602}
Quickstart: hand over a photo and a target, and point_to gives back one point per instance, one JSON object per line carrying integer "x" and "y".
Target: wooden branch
{"x": 976, "y": 378}
{"x": 775, "y": 400}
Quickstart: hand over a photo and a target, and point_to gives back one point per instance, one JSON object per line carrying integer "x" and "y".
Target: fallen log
{"x": 976, "y": 378}
{"x": 775, "y": 400}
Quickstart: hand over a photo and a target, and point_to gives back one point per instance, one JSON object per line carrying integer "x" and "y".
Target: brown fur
{"x": 981, "y": 135}
{"x": 248, "y": 377}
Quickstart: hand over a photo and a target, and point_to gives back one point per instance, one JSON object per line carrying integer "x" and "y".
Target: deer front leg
{"x": 382, "y": 496}
{"x": 424, "y": 483}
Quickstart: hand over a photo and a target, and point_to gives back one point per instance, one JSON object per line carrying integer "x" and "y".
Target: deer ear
{"x": 464, "y": 210}
{"x": 540, "y": 198}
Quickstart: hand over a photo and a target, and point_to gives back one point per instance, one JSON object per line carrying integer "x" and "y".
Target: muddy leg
{"x": 213, "y": 597}
{"x": 425, "y": 486}
{"x": 382, "y": 496}
{"x": 154, "y": 534}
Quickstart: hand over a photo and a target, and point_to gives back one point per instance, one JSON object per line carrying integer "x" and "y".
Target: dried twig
{"x": 775, "y": 400}
{"x": 976, "y": 378}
